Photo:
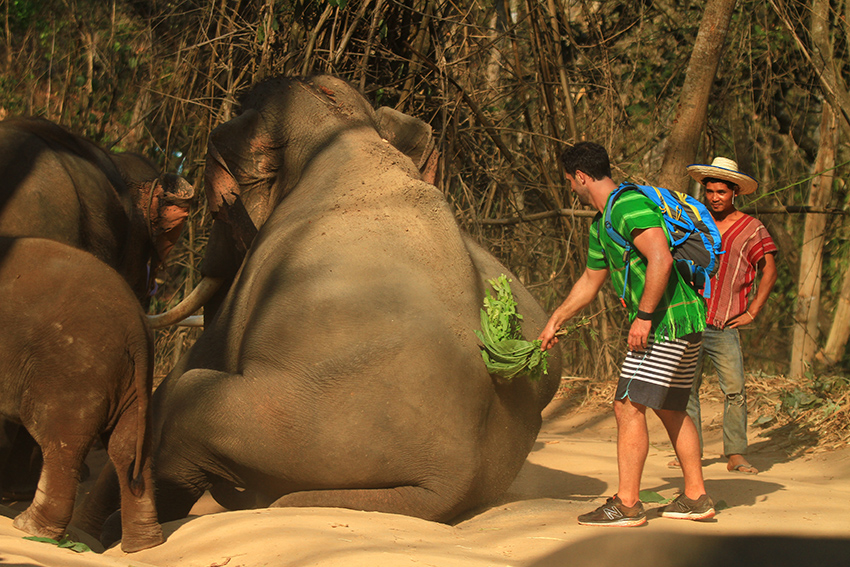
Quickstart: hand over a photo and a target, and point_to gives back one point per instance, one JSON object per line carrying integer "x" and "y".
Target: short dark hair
{"x": 706, "y": 180}
{"x": 588, "y": 157}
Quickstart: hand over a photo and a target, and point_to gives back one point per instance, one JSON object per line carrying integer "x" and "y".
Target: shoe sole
{"x": 689, "y": 515}
{"x": 618, "y": 524}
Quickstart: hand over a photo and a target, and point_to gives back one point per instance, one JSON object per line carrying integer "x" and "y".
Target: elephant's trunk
{"x": 194, "y": 301}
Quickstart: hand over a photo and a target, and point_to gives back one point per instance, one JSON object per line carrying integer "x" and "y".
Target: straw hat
{"x": 727, "y": 170}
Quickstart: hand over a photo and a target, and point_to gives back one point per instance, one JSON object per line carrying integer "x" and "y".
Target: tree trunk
{"x": 693, "y": 100}
{"x": 833, "y": 352}
{"x": 811, "y": 258}
{"x": 839, "y": 332}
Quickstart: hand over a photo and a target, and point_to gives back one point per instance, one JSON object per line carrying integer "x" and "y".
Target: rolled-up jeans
{"x": 723, "y": 347}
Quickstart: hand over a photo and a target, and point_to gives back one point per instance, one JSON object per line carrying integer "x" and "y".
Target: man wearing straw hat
{"x": 748, "y": 248}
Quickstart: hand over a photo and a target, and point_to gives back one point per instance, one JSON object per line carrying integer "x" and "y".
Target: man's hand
{"x": 744, "y": 318}
{"x": 639, "y": 334}
{"x": 548, "y": 336}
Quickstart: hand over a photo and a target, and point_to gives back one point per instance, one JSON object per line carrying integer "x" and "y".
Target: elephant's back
{"x": 74, "y": 318}
{"x": 59, "y": 192}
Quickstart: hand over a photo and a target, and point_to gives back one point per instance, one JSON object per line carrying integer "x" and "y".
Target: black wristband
{"x": 644, "y": 316}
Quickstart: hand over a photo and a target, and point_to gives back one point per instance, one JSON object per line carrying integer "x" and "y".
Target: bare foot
{"x": 674, "y": 464}
{"x": 737, "y": 463}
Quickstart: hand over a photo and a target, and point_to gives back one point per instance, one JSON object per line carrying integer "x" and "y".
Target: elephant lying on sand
{"x": 341, "y": 368}
{"x": 76, "y": 360}
{"x": 57, "y": 185}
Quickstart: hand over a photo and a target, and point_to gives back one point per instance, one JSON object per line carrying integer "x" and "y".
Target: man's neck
{"x": 599, "y": 192}
{"x": 727, "y": 215}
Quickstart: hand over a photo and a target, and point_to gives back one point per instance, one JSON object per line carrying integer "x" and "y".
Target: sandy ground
{"x": 570, "y": 471}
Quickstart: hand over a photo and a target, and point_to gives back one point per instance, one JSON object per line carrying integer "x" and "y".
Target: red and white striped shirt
{"x": 745, "y": 243}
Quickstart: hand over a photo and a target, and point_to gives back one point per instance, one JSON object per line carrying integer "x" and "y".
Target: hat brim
{"x": 745, "y": 183}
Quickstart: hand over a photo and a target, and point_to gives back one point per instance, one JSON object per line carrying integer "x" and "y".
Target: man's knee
{"x": 738, "y": 399}
{"x": 626, "y": 409}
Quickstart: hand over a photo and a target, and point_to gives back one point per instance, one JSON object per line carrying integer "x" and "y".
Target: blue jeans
{"x": 723, "y": 347}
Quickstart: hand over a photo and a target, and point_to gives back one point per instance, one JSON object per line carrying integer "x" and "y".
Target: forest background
{"x": 505, "y": 84}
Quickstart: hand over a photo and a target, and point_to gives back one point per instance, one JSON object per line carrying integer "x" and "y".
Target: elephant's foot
{"x": 137, "y": 540}
{"x": 29, "y": 522}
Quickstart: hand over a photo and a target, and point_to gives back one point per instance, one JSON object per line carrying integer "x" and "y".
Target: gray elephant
{"x": 341, "y": 367}
{"x": 76, "y": 361}
{"x": 57, "y": 185}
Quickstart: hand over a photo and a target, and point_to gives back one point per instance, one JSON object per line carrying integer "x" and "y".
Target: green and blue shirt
{"x": 681, "y": 310}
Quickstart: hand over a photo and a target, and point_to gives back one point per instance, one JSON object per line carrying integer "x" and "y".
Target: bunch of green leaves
{"x": 64, "y": 543}
{"x": 505, "y": 352}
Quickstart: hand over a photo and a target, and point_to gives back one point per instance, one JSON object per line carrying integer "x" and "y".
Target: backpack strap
{"x": 617, "y": 237}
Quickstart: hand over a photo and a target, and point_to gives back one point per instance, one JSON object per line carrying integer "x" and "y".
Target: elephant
{"x": 57, "y": 185}
{"x": 78, "y": 363}
{"x": 340, "y": 367}
{"x": 117, "y": 206}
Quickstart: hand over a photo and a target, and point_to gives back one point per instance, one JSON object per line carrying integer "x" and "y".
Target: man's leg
{"x": 693, "y": 405}
{"x": 683, "y": 435}
{"x": 724, "y": 349}
{"x": 632, "y": 448}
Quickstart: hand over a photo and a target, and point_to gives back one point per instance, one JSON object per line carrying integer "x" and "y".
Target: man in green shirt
{"x": 667, "y": 318}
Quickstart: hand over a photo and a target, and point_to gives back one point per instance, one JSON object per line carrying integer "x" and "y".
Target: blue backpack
{"x": 694, "y": 239}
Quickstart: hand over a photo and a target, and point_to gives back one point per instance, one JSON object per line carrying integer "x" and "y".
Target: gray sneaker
{"x": 683, "y": 508}
{"x": 615, "y": 513}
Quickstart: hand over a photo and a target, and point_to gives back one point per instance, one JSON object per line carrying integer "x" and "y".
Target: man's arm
{"x": 652, "y": 244}
{"x": 767, "y": 267}
{"x": 582, "y": 293}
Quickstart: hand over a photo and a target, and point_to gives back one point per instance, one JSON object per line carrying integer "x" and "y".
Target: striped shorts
{"x": 661, "y": 376}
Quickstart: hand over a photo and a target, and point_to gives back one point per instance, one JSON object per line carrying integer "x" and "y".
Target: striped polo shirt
{"x": 745, "y": 243}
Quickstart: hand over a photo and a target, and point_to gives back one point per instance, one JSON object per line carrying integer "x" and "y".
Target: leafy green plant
{"x": 505, "y": 352}
{"x": 64, "y": 543}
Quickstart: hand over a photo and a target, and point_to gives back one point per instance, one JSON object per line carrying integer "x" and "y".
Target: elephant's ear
{"x": 166, "y": 209}
{"x": 410, "y": 136}
{"x": 234, "y": 150}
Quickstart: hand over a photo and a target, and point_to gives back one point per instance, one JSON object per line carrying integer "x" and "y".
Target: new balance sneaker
{"x": 683, "y": 508}
{"x": 615, "y": 513}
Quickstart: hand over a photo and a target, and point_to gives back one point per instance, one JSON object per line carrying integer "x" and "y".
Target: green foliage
{"x": 504, "y": 351}
{"x": 817, "y": 392}
{"x": 64, "y": 543}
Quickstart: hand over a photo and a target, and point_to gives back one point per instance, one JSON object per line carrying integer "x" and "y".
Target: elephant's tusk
{"x": 191, "y": 303}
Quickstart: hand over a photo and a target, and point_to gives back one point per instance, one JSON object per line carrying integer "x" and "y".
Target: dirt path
{"x": 570, "y": 470}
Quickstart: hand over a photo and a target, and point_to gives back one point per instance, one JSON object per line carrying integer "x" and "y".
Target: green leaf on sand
{"x": 652, "y": 497}
{"x": 64, "y": 543}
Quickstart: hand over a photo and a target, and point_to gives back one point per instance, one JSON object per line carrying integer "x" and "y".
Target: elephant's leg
{"x": 53, "y": 503}
{"x": 413, "y": 501}
{"x": 103, "y": 500}
{"x": 190, "y": 421}
{"x": 140, "y": 526}
{"x": 23, "y": 467}
{"x": 8, "y": 432}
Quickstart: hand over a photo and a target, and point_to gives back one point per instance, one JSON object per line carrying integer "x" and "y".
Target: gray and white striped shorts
{"x": 661, "y": 376}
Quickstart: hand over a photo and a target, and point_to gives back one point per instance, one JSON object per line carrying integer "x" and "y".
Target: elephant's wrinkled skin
{"x": 341, "y": 368}
{"x": 57, "y": 185}
{"x": 76, "y": 361}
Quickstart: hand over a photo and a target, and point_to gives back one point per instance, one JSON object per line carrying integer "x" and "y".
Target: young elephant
{"x": 75, "y": 362}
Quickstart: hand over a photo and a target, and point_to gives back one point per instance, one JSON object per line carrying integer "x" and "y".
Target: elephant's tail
{"x": 143, "y": 380}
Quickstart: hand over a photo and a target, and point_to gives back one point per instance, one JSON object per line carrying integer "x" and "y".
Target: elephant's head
{"x": 158, "y": 208}
{"x": 255, "y": 159}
